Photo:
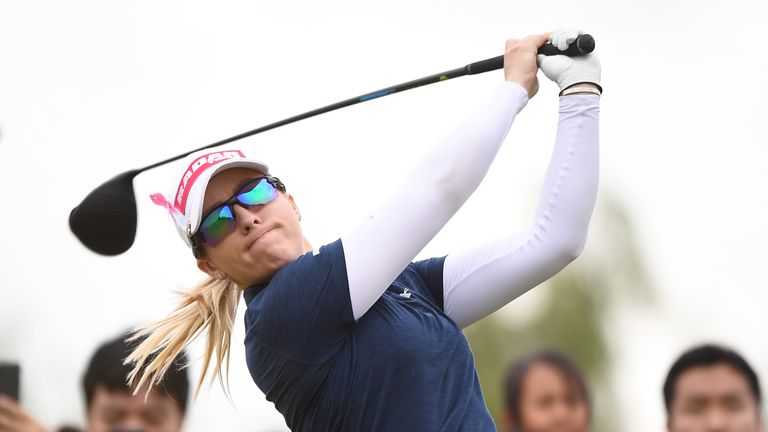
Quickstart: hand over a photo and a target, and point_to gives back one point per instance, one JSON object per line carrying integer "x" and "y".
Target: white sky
{"x": 89, "y": 89}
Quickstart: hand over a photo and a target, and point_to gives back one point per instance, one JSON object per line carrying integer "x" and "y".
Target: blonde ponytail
{"x": 211, "y": 306}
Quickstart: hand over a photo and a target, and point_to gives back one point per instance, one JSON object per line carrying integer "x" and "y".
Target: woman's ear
{"x": 211, "y": 270}
{"x": 295, "y": 207}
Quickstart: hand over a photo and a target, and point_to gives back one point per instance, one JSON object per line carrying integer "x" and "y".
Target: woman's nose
{"x": 247, "y": 218}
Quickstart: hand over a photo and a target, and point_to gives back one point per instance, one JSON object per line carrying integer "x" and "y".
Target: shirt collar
{"x": 252, "y": 291}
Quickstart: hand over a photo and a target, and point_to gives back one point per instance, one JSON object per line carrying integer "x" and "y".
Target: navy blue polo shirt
{"x": 404, "y": 365}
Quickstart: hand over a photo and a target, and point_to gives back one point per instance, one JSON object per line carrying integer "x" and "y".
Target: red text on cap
{"x": 197, "y": 167}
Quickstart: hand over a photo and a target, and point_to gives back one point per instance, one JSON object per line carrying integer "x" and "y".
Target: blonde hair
{"x": 211, "y": 305}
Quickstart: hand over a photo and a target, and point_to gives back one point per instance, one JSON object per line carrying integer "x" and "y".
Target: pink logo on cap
{"x": 160, "y": 200}
{"x": 197, "y": 167}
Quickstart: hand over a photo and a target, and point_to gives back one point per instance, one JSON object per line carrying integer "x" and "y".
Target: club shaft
{"x": 454, "y": 73}
{"x": 584, "y": 44}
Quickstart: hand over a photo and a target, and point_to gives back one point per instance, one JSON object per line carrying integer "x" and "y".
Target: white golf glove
{"x": 567, "y": 71}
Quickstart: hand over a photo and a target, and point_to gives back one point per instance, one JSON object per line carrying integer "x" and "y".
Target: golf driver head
{"x": 105, "y": 221}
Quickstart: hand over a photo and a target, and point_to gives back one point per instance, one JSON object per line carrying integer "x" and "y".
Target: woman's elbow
{"x": 453, "y": 190}
{"x": 569, "y": 248}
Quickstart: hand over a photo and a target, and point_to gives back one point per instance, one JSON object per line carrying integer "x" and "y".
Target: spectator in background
{"x": 110, "y": 404}
{"x": 546, "y": 392}
{"x": 14, "y": 419}
{"x": 712, "y": 388}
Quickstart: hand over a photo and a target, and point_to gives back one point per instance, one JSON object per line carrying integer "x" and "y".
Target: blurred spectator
{"x": 14, "y": 419}
{"x": 110, "y": 404}
{"x": 546, "y": 392}
{"x": 712, "y": 388}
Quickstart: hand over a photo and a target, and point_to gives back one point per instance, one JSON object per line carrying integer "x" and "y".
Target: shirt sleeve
{"x": 479, "y": 281}
{"x": 381, "y": 247}
{"x": 305, "y": 312}
{"x": 431, "y": 272}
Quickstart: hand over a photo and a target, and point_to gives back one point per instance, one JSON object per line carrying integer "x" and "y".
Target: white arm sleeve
{"x": 477, "y": 282}
{"x": 379, "y": 249}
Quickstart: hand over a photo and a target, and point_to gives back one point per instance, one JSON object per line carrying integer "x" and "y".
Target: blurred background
{"x": 676, "y": 254}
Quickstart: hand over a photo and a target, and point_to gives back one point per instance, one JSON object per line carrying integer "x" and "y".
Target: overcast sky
{"x": 89, "y": 89}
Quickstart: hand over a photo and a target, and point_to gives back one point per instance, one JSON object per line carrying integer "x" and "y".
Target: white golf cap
{"x": 188, "y": 188}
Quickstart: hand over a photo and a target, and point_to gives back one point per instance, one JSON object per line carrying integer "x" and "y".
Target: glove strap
{"x": 582, "y": 88}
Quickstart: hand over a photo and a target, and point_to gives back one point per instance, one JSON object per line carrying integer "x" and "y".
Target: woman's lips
{"x": 260, "y": 237}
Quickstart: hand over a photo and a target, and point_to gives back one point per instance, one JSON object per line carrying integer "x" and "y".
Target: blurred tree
{"x": 574, "y": 315}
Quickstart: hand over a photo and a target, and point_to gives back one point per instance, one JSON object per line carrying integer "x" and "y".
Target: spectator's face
{"x": 713, "y": 399}
{"x": 549, "y": 403}
{"x": 121, "y": 411}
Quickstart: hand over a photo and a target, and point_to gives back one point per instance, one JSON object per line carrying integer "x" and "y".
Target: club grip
{"x": 583, "y": 45}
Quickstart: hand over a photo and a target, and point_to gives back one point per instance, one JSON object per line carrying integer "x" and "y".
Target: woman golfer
{"x": 354, "y": 335}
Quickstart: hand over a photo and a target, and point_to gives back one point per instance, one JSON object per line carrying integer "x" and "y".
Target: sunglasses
{"x": 220, "y": 221}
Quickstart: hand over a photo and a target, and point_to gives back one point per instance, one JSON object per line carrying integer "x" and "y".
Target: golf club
{"x": 105, "y": 221}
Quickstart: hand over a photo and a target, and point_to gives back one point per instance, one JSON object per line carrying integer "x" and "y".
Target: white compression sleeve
{"x": 377, "y": 250}
{"x": 480, "y": 281}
